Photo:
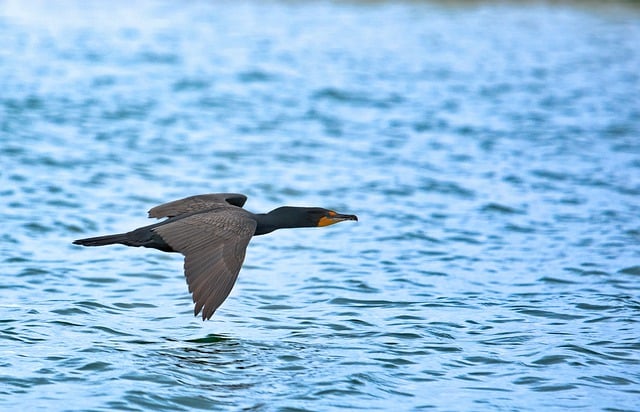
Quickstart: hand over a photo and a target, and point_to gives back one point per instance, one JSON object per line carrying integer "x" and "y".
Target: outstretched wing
{"x": 196, "y": 203}
{"x": 214, "y": 245}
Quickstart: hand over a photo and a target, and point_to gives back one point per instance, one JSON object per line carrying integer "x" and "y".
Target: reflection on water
{"x": 490, "y": 151}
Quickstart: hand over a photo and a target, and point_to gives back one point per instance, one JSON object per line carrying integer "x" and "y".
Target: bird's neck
{"x": 277, "y": 219}
{"x": 266, "y": 224}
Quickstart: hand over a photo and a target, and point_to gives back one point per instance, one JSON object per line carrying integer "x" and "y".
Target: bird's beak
{"x": 333, "y": 218}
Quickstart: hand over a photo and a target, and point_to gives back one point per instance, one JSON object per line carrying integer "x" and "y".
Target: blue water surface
{"x": 491, "y": 151}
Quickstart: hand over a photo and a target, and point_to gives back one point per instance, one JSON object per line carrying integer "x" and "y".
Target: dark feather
{"x": 197, "y": 203}
{"x": 214, "y": 245}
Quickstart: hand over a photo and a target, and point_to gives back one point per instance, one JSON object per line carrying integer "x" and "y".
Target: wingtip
{"x": 206, "y": 315}
{"x": 203, "y": 312}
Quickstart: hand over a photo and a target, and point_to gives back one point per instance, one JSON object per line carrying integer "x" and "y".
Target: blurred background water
{"x": 490, "y": 149}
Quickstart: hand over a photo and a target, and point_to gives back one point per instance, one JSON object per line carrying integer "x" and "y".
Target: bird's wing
{"x": 196, "y": 203}
{"x": 214, "y": 245}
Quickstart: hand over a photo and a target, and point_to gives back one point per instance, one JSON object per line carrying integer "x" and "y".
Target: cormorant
{"x": 212, "y": 231}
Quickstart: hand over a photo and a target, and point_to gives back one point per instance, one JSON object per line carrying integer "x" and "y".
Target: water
{"x": 491, "y": 152}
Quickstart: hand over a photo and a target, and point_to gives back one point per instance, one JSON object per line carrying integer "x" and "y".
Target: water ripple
{"x": 495, "y": 257}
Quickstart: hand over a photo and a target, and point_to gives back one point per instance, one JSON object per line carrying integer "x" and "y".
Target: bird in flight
{"x": 213, "y": 231}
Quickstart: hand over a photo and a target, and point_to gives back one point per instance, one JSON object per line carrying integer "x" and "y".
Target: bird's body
{"x": 213, "y": 231}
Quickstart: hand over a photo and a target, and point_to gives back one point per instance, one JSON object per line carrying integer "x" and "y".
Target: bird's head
{"x": 326, "y": 217}
{"x": 310, "y": 216}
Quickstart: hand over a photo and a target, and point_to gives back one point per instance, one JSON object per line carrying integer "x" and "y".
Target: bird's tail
{"x": 103, "y": 240}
